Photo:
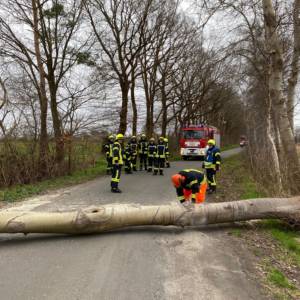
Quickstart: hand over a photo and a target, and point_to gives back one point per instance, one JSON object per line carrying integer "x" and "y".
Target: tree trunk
{"x": 278, "y": 99}
{"x": 124, "y": 108}
{"x": 164, "y": 121}
{"x": 133, "y": 103}
{"x": 293, "y": 78}
{"x": 58, "y": 132}
{"x": 43, "y": 151}
{"x": 108, "y": 217}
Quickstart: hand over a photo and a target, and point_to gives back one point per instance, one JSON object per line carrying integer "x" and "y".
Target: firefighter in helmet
{"x": 160, "y": 157}
{"x": 127, "y": 156}
{"x": 151, "y": 153}
{"x": 212, "y": 163}
{"x": 108, "y": 148}
{"x": 117, "y": 162}
{"x": 134, "y": 151}
{"x": 143, "y": 151}
{"x": 167, "y": 152}
{"x": 191, "y": 185}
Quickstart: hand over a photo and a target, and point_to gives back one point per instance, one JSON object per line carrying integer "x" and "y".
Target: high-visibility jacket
{"x": 108, "y": 147}
{"x": 161, "y": 150}
{"x": 212, "y": 158}
{"x": 143, "y": 145}
{"x": 133, "y": 148}
{"x": 152, "y": 150}
{"x": 193, "y": 180}
{"x": 167, "y": 149}
{"x": 127, "y": 154}
{"x": 117, "y": 154}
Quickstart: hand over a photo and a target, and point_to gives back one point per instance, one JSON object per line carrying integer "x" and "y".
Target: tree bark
{"x": 43, "y": 151}
{"x": 133, "y": 103}
{"x": 278, "y": 99}
{"x": 57, "y": 126}
{"x": 109, "y": 217}
{"x": 124, "y": 108}
{"x": 164, "y": 120}
{"x": 293, "y": 78}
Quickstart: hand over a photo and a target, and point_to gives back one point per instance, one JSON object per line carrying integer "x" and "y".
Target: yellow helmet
{"x": 211, "y": 142}
{"x": 152, "y": 140}
{"x": 143, "y": 135}
{"x": 111, "y": 137}
{"x": 166, "y": 140}
{"x": 119, "y": 136}
{"x": 161, "y": 138}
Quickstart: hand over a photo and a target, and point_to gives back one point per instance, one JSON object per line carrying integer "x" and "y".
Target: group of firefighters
{"x": 191, "y": 184}
{"x": 153, "y": 156}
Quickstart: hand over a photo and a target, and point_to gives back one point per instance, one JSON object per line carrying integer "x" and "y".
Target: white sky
{"x": 217, "y": 32}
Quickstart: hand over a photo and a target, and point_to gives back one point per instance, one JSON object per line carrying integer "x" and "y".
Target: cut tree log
{"x": 109, "y": 217}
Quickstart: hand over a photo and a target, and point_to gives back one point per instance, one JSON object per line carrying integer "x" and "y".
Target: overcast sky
{"x": 218, "y": 31}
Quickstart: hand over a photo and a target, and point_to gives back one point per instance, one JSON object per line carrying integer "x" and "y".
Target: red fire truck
{"x": 193, "y": 140}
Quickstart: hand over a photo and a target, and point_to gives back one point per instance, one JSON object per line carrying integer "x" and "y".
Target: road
{"x": 133, "y": 264}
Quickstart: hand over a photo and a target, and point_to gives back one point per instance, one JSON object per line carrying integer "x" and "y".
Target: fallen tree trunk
{"x": 108, "y": 217}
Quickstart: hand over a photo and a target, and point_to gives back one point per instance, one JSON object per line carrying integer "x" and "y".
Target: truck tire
{"x": 185, "y": 157}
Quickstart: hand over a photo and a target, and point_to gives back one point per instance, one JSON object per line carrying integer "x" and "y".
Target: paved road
{"x": 142, "y": 263}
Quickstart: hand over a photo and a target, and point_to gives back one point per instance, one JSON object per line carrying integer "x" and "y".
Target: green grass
{"x": 229, "y": 147}
{"x": 279, "y": 280}
{"x": 235, "y": 167}
{"x": 236, "y": 232}
{"x": 289, "y": 239}
{"x": 19, "y": 192}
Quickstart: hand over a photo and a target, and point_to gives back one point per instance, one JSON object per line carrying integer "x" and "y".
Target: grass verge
{"x": 18, "y": 192}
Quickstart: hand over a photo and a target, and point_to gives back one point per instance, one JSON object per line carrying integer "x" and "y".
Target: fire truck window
{"x": 193, "y": 134}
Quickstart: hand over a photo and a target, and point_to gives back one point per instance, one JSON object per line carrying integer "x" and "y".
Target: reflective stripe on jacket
{"x": 152, "y": 150}
{"x": 161, "y": 151}
{"x": 212, "y": 158}
{"x": 117, "y": 154}
{"x": 193, "y": 180}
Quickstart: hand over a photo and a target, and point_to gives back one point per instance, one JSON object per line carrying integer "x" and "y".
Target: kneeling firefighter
{"x": 191, "y": 185}
{"x": 117, "y": 163}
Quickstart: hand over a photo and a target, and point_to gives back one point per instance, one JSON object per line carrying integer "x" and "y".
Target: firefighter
{"x": 167, "y": 152}
{"x": 127, "y": 156}
{"x": 108, "y": 148}
{"x": 212, "y": 164}
{"x": 191, "y": 185}
{"x": 134, "y": 151}
{"x": 160, "y": 157}
{"x": 143, "y": 152}
{"x": 151, "y": 153}
{"x": 117, "y": 162}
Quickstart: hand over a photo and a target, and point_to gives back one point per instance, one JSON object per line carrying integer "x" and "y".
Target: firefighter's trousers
{"x": 134, "y": 161}
{"x": 211, "y": 178}
{"x": 159, "y": 165}
{"x": 128, "y": 166}
{"x": 151, "y": 161}
{"x": 115, "y": 176}
{"x": 109, "y": 165}
{"x": 143, "y": 161}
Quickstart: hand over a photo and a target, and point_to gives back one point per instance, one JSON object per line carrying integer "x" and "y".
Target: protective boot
{"x": 116, "y": 190}
{"x": 161, "y": 172}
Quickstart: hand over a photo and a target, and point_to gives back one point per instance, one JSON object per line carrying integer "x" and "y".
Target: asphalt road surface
{"x": 133, "y": 264}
